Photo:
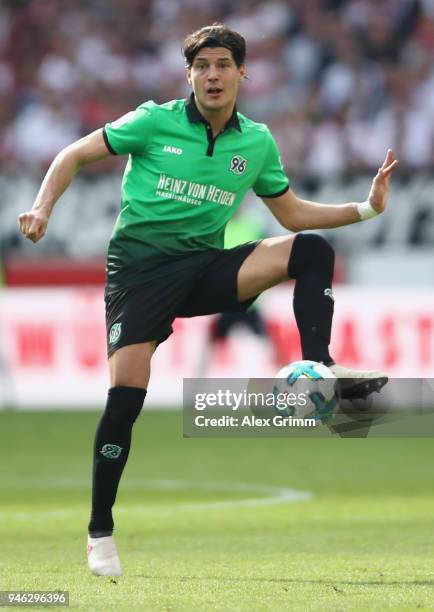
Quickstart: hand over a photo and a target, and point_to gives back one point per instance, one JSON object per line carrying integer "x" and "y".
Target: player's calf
{"x": 111, "y": 449}
{"x": 311, "y": 264}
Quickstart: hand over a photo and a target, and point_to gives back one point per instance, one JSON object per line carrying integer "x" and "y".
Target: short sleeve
{"x": 272, "y": 180}
{"x": 130, "y": 133}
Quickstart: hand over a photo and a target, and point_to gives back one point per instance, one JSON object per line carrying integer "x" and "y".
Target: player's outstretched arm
{"x": 297, "y": 215}
{"x": 66, "y": 164}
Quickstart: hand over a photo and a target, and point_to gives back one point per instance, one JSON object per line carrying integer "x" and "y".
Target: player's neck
{"x": 217, "y": 118}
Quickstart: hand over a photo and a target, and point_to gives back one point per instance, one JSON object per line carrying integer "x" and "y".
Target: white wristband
{"x": 365, "y": 210}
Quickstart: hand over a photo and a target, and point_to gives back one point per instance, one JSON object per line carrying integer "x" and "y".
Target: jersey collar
{"x": 195, "y": 116}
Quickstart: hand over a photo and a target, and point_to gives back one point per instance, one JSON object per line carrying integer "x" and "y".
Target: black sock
{"x": 110, "y": 453}
{"x": 311, "y": 264}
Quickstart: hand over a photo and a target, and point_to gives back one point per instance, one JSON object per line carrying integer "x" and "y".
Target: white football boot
{"x": 356, "y": 384}
{"x": 102, "y": 556}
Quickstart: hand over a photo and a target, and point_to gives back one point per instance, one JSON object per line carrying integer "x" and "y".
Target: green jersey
{"x": 181, "y": 186}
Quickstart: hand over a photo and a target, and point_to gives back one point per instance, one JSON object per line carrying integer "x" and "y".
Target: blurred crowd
{"x": 337, "y": 81}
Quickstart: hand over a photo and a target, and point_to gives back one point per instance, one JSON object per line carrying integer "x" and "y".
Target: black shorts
{"x": 207, "y": 285}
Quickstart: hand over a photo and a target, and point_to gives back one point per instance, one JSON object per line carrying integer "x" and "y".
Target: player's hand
{"x": 380, "y": 185}
{"x": 33, "y": 224}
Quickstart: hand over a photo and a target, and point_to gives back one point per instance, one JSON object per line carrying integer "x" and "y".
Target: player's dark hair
{"x": 216, "y": 35}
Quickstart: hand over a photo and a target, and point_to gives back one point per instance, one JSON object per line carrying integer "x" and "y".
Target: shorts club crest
{"x": 115, "y": 333}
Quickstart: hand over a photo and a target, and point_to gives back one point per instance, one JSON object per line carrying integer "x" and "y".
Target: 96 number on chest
{"x": 238, "y": 164}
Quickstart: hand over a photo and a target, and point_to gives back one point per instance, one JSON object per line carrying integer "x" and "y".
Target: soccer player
{"x": 190, "y": 164}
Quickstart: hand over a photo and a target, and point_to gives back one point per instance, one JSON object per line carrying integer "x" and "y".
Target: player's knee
{"x": 321, "y": 251}
{"x": 310, "y": 250}
{"x": 124, "y": 405}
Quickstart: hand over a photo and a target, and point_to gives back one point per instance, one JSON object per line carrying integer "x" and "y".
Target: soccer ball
{"x": 306, "y": 390}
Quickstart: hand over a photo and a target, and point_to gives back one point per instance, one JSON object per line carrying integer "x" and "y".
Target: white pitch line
{"x": 269, "y": 496}
{"x": 273, "y": 495}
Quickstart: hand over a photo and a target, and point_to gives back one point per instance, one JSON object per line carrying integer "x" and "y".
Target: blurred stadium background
{"x": 337, "y": 81}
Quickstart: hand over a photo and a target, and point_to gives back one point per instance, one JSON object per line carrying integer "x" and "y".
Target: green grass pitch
{"x": 205, "y": 524}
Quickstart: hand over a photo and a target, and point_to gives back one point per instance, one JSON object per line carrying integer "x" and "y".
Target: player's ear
{"x": 188, "y": 75}
{"x": 243, "y": 72}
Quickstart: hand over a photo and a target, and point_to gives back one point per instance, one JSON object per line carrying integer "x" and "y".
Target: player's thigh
{"x": 266, "y": 266}
{"x": 130, "y": 366}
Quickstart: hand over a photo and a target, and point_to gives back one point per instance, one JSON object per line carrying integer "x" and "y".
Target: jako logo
{"x": 329, "y": 293}
{"x": 174, "y": 150}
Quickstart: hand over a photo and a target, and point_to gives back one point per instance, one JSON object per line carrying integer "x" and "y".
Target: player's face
{"x": 215, "y": 77}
